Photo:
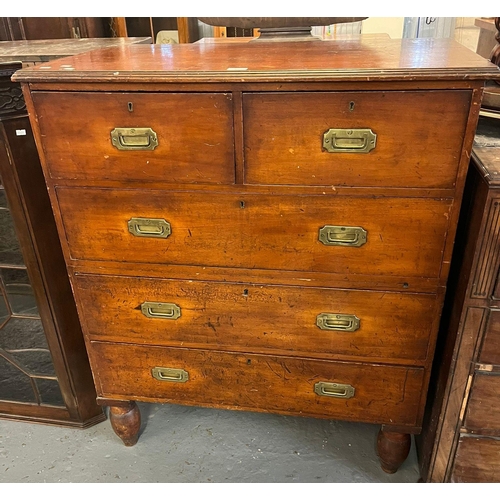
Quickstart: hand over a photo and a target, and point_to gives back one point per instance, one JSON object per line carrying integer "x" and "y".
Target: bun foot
{"x": 393, "y": 448}
{"x": 126, "y": 422}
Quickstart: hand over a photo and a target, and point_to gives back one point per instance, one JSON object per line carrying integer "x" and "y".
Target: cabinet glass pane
{"x": 27, "y": 371}
{"x": 10, "y": 253}
{"x": 50, "y": 392}
{"x": 19, "y": 292}
{"x": 14, "y": 384}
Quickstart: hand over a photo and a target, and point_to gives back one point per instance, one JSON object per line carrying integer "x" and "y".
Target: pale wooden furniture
{"x": 486, "y": 41}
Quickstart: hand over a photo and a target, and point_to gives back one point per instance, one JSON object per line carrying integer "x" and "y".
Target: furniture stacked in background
{"x": 42, "y": 28}
{"x": 159, "y": 29}
{"x": 282, "y": 242}
{"x": 460, "y": 441}
{"x": 44, "y": 369}
{"x": 187, "y": 28}
{"x": 487, "y": 35}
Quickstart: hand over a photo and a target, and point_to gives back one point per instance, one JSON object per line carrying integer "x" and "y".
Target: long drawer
{"x": 400, "y": 139}
{"x": 364, "y": 235}
{"x": 137, "y": 136}
{"x": 318, "y": 322}
{"x": 359, "y": 392}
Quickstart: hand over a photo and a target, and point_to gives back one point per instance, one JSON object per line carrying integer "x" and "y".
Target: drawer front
{"x": 195, "y": 145}
{"x": 313, "y": 321}
{"x": 477, "y": 461}
{"x": 404, "y": 237}
{"x": 483, "y": 409}
{"x": 490, "y": 350}
{"x": 382, "y": 394}
{"x": 418, "y": 138}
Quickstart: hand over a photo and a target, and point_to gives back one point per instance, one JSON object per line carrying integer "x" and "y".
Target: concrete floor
{"x": 180, "y": 444}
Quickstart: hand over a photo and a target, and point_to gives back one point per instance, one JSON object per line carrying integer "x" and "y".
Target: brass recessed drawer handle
{"x": 170, "y": 374}
{"x": 134, "y": 139}
{"x": 161, "y": 310}
{"x": 149, "y": 228}
{"x": 343, "y": 236}
{"x": 334, "y": 390}
{"x": 349, "y": 140}
{"x": 338, "y": 322}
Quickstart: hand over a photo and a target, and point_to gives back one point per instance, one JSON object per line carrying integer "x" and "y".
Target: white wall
{"x": 466, "y": 32}
{"x": 393, "y": 26}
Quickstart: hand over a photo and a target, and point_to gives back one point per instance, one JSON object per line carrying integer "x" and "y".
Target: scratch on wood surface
{"x": 279, "y": 375}
{"x": 404, "y": 388}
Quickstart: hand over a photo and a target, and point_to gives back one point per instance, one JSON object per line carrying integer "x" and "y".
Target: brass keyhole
{"x": 130, "y": 107}
{"x": 351, "y": 106}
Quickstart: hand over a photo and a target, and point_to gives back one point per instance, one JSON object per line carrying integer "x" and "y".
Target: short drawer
{"x": 170, "y": 137}
{"x": 361, "y": 392}
{"x": 393, "y": 138}
{"x": 490, "y": 349}
{"x": 477, "y": 460}
{"x": 317, "y": 322}
{"x": 382, "y": 236}
{"x": 483, "y": 409}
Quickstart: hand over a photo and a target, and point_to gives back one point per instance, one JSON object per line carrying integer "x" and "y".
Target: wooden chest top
{"x": 380, "y": 59}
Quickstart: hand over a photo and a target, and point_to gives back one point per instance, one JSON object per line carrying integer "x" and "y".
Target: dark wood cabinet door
{"x": 47, "y": 28}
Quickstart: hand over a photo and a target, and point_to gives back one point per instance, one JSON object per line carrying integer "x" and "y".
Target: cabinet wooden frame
{"x": 29, "y": 205}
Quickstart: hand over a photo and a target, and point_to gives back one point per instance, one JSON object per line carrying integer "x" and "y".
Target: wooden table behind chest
{"x": 261, "y": 227}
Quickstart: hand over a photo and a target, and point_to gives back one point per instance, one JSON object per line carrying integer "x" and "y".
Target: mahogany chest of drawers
{"x": 261, "y": 226}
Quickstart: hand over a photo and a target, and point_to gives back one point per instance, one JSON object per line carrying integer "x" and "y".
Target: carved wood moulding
{"x": 11, "y": 95}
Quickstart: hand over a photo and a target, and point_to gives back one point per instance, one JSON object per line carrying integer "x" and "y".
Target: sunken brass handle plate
{"x": 134, "y": 139}
{"x": 161, "y": 310}
{"x": 170, "y": 374}
{"x": 344, "y": 236}
{"x": 337, "y": 322}
{"x": 149, "y": 228}
{"x": 349, "y": 140}
{"x": 334, "y": 390}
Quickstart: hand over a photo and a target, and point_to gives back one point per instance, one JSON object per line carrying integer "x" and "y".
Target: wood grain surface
{"x": 477, "y": 461}
{"x": 383, "y": 394}
{"x": 257, "y": 231}
{"x": 348, "y": 60}
{"x": 490, "y": 350}
{"x": 45, "y": 50}
{"x": 193, "y": 146}
{"x": 483, "y": 409}
{"x": 257, "y": 318}
{"x": 415, "y": 132}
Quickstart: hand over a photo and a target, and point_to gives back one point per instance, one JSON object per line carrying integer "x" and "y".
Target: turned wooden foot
{"x": 393, "y": 448}
{"x": 126, "y": 422}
